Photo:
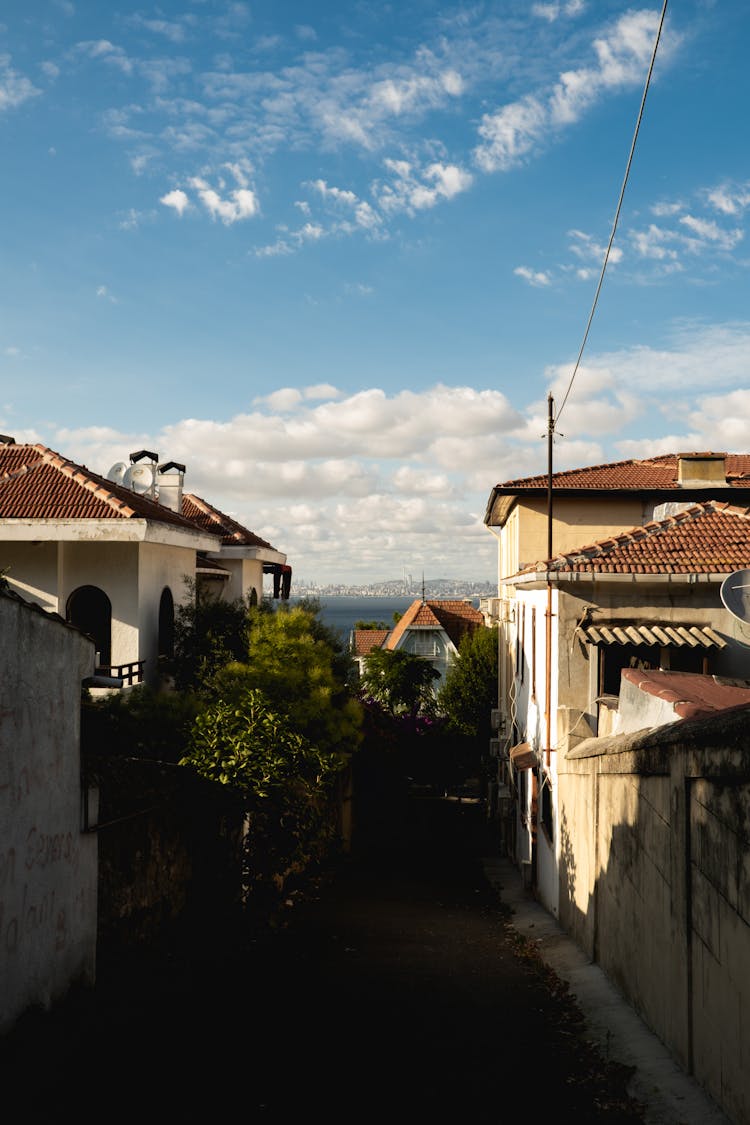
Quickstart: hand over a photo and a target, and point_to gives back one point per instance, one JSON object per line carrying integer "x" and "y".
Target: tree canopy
{"x": 469, "y": 691}
{"x": 400, "y": 681}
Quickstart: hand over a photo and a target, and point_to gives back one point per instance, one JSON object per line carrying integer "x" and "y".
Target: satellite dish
{"x": 139, "y": 477}
{"x": 735, "y": 594}
{"x": 117, "y": 472}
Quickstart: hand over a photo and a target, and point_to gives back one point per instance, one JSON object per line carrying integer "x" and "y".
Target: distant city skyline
{"x": 333, "y": 257}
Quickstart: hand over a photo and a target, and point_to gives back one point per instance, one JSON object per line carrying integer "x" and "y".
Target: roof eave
{"x": 538, "y": 578}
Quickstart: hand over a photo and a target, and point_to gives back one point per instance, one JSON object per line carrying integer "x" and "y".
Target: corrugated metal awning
{"x": 694, "y": 636}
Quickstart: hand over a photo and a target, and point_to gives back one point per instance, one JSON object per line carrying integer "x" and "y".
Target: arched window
{"x": 90, "y": 610}
{"x": 166, "y": 623}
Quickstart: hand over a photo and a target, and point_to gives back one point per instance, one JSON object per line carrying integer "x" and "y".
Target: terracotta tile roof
{"x": 707, "y": 538}
{"x": 691, "y": 694}
{"x": 233, "y": 534}
{"x": 653, "y": 473}
{"x": 365, "y": 640}
{"x": 455, "y": 617}
{"x": 37, "y": 483}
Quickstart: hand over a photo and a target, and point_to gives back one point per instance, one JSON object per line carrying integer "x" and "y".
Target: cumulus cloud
{"x": 346, "y": 483}
{"x": 411, "y": 188}
{"x": 240, "y": 203}
{"x": 177, "y": 200}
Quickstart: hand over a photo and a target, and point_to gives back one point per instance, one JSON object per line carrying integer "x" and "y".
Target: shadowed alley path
{"x": 394, "y": 991}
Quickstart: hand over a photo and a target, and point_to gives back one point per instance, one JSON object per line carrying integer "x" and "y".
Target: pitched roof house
{"x": 111, "y": 554}
{"x": 430, "y": 628}
{"x": 646, "y": 599}
{"x": 600, "y": 500}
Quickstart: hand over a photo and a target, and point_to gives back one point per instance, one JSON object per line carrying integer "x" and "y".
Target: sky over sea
{"x": 334, "y": 257}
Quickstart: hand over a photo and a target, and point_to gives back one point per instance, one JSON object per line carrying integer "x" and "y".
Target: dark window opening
{"x": 546, "y": 810}
{"x": 90, "y": 610}
{"x": 614, "y": 658}
{"x": 166, "y": 623}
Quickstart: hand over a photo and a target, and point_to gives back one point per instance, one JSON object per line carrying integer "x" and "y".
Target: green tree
{"x": 295, "y": 663}
{"x": 209, "y": 633}
{"x": 469, "y": 691}
{"x": 400, "y": 681}
{"x": 283, "y": 779}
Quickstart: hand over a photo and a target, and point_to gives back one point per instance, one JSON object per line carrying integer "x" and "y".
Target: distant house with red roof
{"x": 111, "y": 554}
{"x": 429, "y": 628}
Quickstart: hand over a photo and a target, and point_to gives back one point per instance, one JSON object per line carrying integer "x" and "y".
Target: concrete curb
{"x": 669, "y": 1096}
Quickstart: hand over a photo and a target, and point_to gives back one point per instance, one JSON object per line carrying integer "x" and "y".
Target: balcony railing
{"x": 129, "y": 673}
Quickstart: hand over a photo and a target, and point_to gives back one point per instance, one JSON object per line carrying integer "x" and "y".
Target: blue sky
{"x": 334, "y": 257}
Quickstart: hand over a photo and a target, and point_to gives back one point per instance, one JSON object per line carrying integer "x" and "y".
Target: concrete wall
{"x": 48, "y": 869}
{"x": 655, "y": 885}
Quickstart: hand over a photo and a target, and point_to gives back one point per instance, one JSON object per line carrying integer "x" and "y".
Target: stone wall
{"x": 655, "y": 885}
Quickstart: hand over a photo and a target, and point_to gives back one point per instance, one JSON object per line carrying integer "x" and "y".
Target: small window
{"x": 546, "y": 814}
{"x": 166, "y": 624}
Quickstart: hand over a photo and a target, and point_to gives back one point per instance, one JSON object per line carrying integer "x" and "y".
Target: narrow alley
{"x": 395, "y": 988}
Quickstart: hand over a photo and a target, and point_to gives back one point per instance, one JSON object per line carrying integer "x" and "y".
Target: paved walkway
{"x": 399, "y": 990}
{"x": 667, "y": 1094}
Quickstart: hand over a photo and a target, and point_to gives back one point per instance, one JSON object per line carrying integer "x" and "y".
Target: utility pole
{"x": 548, "y": 614}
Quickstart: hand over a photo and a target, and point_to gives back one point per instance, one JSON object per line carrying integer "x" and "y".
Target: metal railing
{"x": 129, "y": 673}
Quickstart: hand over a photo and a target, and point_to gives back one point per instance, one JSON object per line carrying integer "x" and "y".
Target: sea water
{"x": 341, "y": 611}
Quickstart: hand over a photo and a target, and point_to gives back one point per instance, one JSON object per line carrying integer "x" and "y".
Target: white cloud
{"x": 709, "y": 231}
{"x": 654, "y": 242}
{"x": 518, "y": 129}
{"x": 177, "y": 200}
{"x": 15, "y": 88}
{"x": 586, "y": 247}
{"x": 241, "y": 203}
{"x": 104, "y": 294}
{"x": 538, "y": 278}
{"x": 348, "y": 483}
{"x": 413, "y": 189}
{"x": 555, "y": 10}
{"x": 729, "y": 199}
{"x": 107, "y": 52}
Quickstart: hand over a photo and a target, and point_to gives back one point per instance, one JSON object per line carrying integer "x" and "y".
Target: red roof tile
{"x": 455, "y": 617}
{"x": 37, "y": 483}
{"x": 690, "y": 693}
{"x": 653, "y": 473}
{"x": 233, "y": 534}
{"x": 365, "y": 640}
{"x": 708, "y": 538}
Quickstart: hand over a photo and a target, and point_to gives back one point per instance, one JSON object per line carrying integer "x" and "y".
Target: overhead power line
{"x": 617, "y": 214}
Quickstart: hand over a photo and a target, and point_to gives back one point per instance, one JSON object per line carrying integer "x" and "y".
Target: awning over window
{"x": 522, "y": 756}
{"x": 692, "y": 636}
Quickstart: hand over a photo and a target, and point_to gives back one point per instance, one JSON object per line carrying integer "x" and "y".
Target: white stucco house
{"x": 590, "y": 505}
{"x": 430, "y": 628}
{"x": 632, "y": 607}
{"x": 111, "y": 554}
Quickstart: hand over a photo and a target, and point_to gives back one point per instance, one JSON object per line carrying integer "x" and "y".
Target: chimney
{"x": 696, "y": 470}
{"x": 169, "y": 484}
